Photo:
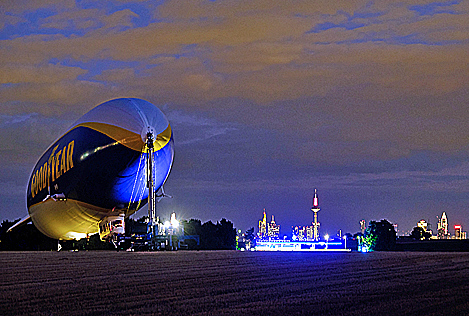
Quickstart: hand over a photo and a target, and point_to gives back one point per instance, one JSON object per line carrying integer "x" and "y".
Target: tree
{"x": 250, "y": 238}
{"x": 208, "y": 237}
{"x": 380, "y": 236}
{"x": 26, "y": 237}
{"x": 192, "y": 227}
{"x": 418, "y": 233}
{"x": 221, "y": 235}
{"x": 226, "y": 234}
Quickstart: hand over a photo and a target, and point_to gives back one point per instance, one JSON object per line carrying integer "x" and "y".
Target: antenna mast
{"x": 315, "y": 209}
{"x": 150, "y": 185}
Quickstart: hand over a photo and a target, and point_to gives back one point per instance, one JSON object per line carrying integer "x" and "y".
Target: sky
{"x": 365, "y": 101}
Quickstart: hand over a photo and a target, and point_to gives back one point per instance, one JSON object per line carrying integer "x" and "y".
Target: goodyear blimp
{"x": 96, "y": 174}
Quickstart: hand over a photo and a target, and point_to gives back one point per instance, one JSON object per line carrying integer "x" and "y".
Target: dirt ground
{"x": 233, "y": 283}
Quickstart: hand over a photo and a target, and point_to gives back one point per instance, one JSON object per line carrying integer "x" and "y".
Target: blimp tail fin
{"x": 22, "y": 222}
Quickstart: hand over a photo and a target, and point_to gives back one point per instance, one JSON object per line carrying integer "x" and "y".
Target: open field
{"x": 233, "y": 283}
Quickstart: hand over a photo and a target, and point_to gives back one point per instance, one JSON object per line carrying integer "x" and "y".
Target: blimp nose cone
{"x": 131, "y": 115}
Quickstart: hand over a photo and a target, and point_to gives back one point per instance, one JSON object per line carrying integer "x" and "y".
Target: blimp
{"x": 108, "y": 165}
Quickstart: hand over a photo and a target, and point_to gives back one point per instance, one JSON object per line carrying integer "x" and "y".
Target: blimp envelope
{"x": 97, "y": 168}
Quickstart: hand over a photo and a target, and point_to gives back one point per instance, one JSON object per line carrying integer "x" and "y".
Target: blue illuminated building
{"x": 304, "y": 238}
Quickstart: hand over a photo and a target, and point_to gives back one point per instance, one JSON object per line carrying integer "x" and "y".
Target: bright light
{"x": 326, "y": 237}
{"x": 174, "y": 221}
{"x": 75, "y": 235}
{"x": 167, "y": 224}
{"x": 280, "y": 245}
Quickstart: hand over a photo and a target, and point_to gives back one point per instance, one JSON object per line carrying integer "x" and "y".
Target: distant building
{"x": 270, "y": 230}
{"x": 458, "y": 233}
{"x": 273, "y": 230}
{"x": 263, "y": 227}
{"x": 443, "y": 227}
{"x": 423, "y": 224}
{"x": 295, "y": 231}
{"x": 303, "y": 233}
{"x": 362, "y": 226}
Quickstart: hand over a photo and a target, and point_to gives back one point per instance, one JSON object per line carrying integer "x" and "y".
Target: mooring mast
{"x": 151, "y": 185}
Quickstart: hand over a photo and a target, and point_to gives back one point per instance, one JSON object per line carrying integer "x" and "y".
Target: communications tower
{"x": 315, "y": 210}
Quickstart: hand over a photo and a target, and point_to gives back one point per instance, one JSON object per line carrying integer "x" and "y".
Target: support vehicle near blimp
{"x": 96, "y": 174}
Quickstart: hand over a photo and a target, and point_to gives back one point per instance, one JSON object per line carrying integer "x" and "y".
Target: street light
{"x": 326, "y": 237}
{"x": 174, "y": 222}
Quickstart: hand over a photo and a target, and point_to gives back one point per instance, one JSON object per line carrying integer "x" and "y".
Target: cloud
{"x": 6, "y": 120}
{"x": 119, "y": 21}
{"x": 21, "y": 6}
{"x": 194, "y": 128}
{"x": 54, "y": 99}
{"x": 453, "y": 179}
{"x": 74, "y": 20}
{"x": 433, "y": 8}
{"x": 14, "y": 73}
{"x": 26, "y": 136}
{"x": 117, "y": 75}
{"x": 347, "y": 93}
{"x": 347, "y": 86}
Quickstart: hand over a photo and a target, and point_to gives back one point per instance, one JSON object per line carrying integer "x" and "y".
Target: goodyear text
{"x": 60, "y": 161}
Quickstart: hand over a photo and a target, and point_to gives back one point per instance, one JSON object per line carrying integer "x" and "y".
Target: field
{"x": 233, "y": 283}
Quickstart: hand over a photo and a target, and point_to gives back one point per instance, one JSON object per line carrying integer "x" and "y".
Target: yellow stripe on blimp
{"x": 127, "y": 138}
{"x": 67, "y": 219}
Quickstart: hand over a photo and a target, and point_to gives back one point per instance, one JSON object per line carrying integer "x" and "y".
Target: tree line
{"x": 219, "y": 236}
{"x": 379, "y": 236}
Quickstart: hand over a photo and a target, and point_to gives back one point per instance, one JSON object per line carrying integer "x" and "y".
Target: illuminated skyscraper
{"x": 422, "y": 224}
{"x": 302, "y": 233}
{"x": 362, "y": 226}
{"x": 263, "y": 227}
{"x": 273, "y": 230}
{"x": 315, "y": 210}
{"x": 457, "y": 231}
{"x": 309, "y": 232}
{"x": 425, "y": 226}
{"x": 443, "y": 227}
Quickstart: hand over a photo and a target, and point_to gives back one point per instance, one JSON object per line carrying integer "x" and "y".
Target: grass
{"x": 233, "y": 283}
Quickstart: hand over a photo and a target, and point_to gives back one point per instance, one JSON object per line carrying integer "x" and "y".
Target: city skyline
{"x": 443, "y": 229}
{"x": 366, "y": 101}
